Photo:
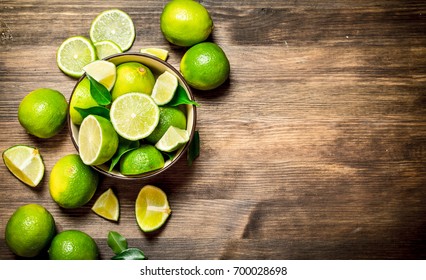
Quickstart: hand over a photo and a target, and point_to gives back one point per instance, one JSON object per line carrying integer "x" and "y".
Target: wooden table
{"x": 314, "y": 149}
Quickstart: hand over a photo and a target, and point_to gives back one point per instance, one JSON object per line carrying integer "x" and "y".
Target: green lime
{"x": 81, "y": 98}
{"x": 106, "y": 48}
{"x": 205, "y": 66}
{"x": 75, "y": 53}
{"x": 169, "y": 116}
{"x": 134, "y": 115}
{"x": 43, "y": 112}
{"x": 25, "y": 163}
{"x": 73, "y": 245}
{"x": 185, "y": 23}
{"x": 173, "y": 139}
{"x": 30, "y": 230}
{"x": 144, "y": 159}
{"x": 97, "y": 140}
{"x": 133, "y": 77}
{"x": 164, "y": 88}
{"x": 72, "y": 183}
{"x": 113, "y": 25}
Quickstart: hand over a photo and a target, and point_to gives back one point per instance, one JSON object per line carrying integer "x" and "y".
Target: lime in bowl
{"x": 131, "y": 116}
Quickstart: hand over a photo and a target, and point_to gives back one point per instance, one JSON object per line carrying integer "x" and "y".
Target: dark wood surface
{"x": 314, "y": 149}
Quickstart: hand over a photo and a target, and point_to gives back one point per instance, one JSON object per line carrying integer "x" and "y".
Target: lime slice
{"x": 157, "y": 52}
{"x": 25, "y": 163}
{"x": 75, "y": 53}
{"x": 173, "y": 139}
{"x": 97, "y": 140}
{"x": 106, "y": 48}
{"x": 113, "y": 25}
{"x": 152, "y": 208}
{"x": 102, "y": 71}
{"x": 134, "y": 115}
{"x": 164, "y": 88}
{"x": 107, "y": 206}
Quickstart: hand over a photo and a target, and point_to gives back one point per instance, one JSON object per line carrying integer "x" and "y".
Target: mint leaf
{"x": 124, "y": 146}
{"x": 130, "y": 254}
{"x": 96, "y": 110}
{"x": 181, "y": 97}
{"x": 116, "y": 242}
{"x": 99, "y": 92}
{"x": 194, "y": 148}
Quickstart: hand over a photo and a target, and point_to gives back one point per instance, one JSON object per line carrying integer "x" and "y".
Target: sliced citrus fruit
{"x": 107, "y": 206}
{"x": 152, "y": 208}
{"x": 75, "y": 53}
{"x": 102, "y": 71}
{"x": 134, "y": 115}
{"x": 106, "y": 48}
{"x": 164, "y": 88}
{"x": 97, "y": 140}
{"x": 157, "y": 52}
{"x": 25, "y": 163}
{"x": 173, "y": 139}
{"x": 113, "y": 25}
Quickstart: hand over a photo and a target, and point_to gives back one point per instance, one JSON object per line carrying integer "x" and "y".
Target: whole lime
{"x": 73, "y": 245}
{"x": 72, "y": 183}
{"x": 144, "y": 159}
{"x": 133, "y": 77}
{"x": 43, "y": 112}
{"x": 169, "y": 116}
{"x": 185, "y": 23}
{"x": 81, "y": 98}
{"x": 30, "y": 230}
{"x": 205, "y": 66}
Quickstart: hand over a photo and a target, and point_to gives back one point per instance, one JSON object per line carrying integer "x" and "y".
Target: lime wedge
{"x": 102, "y": 71}
{"x": 152, "y": 208}
{"x": 75, "y": 53}
{"x": 164, "y": 88}
{"x": 173, "y": 139}
{"x": 113, "y": 25}
{"x": 134, "y": 115}
{"x": 107, "y": 206}
{"x": 97, "y": 140}
{"x": 25, "y": 163}
{"x": 157, "y": 52}
{"x": 106, "y": 48}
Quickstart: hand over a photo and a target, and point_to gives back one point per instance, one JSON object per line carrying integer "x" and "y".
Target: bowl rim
{"x": 151, "y": 174}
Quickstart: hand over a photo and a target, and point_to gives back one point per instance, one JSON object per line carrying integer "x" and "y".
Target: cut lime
{"x": 157, "y": 52}
{"x": 102, "y": 71}
{"x": 107, "y": 206}
{"x": 164, "y": 88}
{"x": 113, "y": 25}
{"x": 97, "y": 140}
{"x": 152, "y": 208}
{"x": 134, "y": 115}
{"x": 25, "y": 163}
{"x": 106, "y": 48}
{"x": 173, "y": 139}
{"x": 75, "y": 53}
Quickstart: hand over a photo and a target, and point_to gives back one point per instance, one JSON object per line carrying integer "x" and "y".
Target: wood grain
{"x": 314, "y": 149}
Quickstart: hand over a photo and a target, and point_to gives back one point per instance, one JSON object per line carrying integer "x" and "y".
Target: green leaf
{"x": 181, "y": 97}
{"x": 194, "y": 148}
{"x": 130, "y": 254}
{"x": 116, "y": 242}
{"x": 124, "y": 146}
{"x": 96, "y": 110}
{"x": 99, "y": 92}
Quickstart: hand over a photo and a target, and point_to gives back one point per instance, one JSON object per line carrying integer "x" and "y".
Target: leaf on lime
{"x": 96, "y": 110}
{"x": 99, "y": 92}
{"x": 117, "y": 242}
{"x": 124, "y": 146}
{"x": 181, "y": 97}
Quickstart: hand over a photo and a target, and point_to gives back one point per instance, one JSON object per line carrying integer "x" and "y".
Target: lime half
{"x": 75, "y": 53}
{"x": 107, "y": 206}
{"x": 134, "y": 115}
{"x": 164, "y": 88}
{"x": 152, "y": 208}
{"x": 25, "y": 163}
{"x": 157, "y": 52}
{"x": 102, "y": 71}
{"x": 97, "y": 140}
{"x": 106, "y": 48}
{"x": 113, "y": 25}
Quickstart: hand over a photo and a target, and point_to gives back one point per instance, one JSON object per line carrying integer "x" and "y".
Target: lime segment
{"x": 25, "y": 163}
{"x": 106, "y": 48}
{"x": 113, "y": 25}
{"x": 157, "y": 52}
{"x": 102, "y": 71}
{"x": 107, "y": 206}
{"x": 75, "y": 53}
{"x": 164, "y": 88}
{"x": 173, "y": 139}
{"x": 152, "y": 208}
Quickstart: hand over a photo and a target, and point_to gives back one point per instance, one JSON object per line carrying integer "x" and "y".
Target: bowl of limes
{"x": 131, "y": 116}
